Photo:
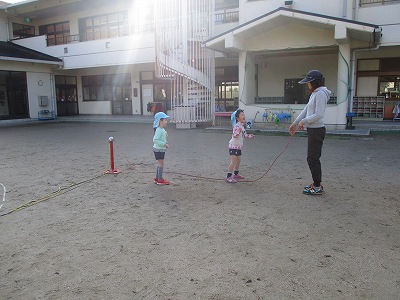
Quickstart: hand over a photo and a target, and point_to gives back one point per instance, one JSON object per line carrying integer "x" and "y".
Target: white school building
{"x": 192, "y": 58}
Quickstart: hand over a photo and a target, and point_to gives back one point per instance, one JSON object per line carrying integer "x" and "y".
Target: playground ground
{"x": 70, "y": 232}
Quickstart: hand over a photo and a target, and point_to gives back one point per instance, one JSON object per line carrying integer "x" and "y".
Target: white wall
{"x": 386, "y": 16}
{"x": 39, "y": 84}
{"x": 291, "y": 36}
{"x": 252, "y": 9}
{"x": 109, "y": 52}
{"x": 3, "y": 29}
{"x": 273, "y": 71}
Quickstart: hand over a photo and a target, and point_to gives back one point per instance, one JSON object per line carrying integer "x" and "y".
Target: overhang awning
{"x": 342, "y": 30}
{"x": 13, "y": 52}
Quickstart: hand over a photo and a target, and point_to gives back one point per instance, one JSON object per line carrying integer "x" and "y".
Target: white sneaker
{"x": 231, "y": 180}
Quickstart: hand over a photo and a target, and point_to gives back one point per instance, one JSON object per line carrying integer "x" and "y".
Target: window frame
{"x": 107, "y": 87}
{"x": 24, "y": 28}
{"x": 104, "y": 26}
{"x": 56, "y": 35}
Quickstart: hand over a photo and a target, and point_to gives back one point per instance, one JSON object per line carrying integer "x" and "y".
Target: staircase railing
{"x": 181, "y": 27}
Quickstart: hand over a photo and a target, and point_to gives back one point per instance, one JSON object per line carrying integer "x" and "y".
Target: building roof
{"x": 13, "y": 52}
{"x": 343, "y": 28}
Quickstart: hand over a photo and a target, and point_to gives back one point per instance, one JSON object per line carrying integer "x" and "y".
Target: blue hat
{"x": 234, "y": 115}
{"x": 157, "y": 117}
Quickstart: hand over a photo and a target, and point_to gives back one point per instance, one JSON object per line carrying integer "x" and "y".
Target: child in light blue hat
{"x": 160, "y": 145}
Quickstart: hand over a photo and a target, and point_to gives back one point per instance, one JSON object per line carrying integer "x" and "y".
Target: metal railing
{"x": 181, "y": 27}
{"x": 227, "y": 17}
{"x": 366, "y": 2}
{"x": 75, "y": 38}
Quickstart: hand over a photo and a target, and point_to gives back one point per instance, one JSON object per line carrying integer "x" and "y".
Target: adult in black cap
{"x": 312, "y": 118}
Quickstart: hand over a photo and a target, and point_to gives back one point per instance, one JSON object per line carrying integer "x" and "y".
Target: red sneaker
{"x": 155, "y": 180}
{"x": 163, "y": 182}
{"x": 238, "y": 176}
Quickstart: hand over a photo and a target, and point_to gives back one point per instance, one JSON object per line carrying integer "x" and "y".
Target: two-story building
{"x": 131, "y": 57}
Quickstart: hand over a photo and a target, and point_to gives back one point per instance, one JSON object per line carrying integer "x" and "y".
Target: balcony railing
{"x": 227, "y": 17}
{"x": 366, "y": 2}
{"x": 75, "y": 38}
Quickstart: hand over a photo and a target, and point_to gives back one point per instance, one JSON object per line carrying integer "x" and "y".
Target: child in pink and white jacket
{"x": 236, "y": 144}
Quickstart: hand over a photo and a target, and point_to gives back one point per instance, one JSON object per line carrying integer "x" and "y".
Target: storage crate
{"x": 46, "y": 115}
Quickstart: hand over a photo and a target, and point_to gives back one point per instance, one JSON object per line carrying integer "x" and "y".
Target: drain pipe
{"x": 353, "y": 64}
{"x": 344, "y": 13}
{"x": 53, "y": 88}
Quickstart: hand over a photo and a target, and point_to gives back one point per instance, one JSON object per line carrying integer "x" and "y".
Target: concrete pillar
{"x": 247, "y": 80}
{"x": 343, "y": 84}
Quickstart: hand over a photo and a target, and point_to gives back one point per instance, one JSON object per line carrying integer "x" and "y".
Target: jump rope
{"x": 219, "y": 179}
{"x": 65, "y": 189}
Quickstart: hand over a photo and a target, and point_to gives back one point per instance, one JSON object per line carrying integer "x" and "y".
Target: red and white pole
{"x": 112, "y": 170}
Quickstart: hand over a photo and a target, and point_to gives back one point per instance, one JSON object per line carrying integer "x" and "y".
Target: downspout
{"x": 8, "y": 30}
{"x": 355, "y": 10}
{"x": 53, "y": 87}
{"x": 344, "y": 13}
{"x": 353, "y": 63}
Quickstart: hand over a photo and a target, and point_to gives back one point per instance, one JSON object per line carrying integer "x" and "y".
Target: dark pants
{"x": 316, "y": 138}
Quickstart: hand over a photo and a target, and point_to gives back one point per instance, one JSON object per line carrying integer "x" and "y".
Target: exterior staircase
{"x": 181, "y": 27}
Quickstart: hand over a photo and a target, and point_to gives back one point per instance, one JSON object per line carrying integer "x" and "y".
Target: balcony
{"x": 53, "y": 40}
{"x": 135, "y": 49}
{"x": 367, "y": 2}
{"x": 227, "y": 17}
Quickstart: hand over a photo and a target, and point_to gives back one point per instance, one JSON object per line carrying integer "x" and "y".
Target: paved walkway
{"x": 362, "y": 127}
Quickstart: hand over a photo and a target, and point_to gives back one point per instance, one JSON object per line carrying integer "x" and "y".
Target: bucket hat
{"x": 157, "y": 117}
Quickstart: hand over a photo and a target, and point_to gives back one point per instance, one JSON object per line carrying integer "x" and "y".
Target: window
{"x": 389, "y": 86}
{"x": 57, "y": 33}
{"x": 21, "y": 31}
{"x": 110, "y": 87}
{"x": 227, "y": 95}
{"x": 104, "y": 26}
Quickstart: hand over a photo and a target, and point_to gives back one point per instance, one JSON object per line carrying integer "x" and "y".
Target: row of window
{"x": 90, "y": 28}
{"x": 97, "y": 27}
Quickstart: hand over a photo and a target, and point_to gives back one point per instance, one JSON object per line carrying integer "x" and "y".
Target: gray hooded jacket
{"x": 313, "y": 114}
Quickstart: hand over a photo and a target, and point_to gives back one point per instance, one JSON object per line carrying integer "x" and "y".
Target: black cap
{"x": 311, "y": 76}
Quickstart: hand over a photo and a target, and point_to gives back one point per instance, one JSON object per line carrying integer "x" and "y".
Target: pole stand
{"x": 112, "y": 169}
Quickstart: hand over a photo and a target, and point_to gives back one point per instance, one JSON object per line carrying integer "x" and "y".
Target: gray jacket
{"x": 313, "y": 114}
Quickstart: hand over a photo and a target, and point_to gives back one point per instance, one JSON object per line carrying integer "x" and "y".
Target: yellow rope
{"x": 60, "y": 191}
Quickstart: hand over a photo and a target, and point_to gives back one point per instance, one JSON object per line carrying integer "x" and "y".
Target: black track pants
{"x": 316, "y": 138}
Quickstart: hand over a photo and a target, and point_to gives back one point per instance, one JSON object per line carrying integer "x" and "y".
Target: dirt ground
{"x": 83, "y": 235}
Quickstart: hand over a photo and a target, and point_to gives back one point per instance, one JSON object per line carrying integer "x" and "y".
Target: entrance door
{"x": 147, "y": 97}
{"x": 13, "y": 95}
{"x": 66, "y": 95}
{"x": 119, "y": 90}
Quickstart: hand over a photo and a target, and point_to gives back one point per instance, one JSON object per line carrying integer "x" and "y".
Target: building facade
{"x": 191, "y": 58}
